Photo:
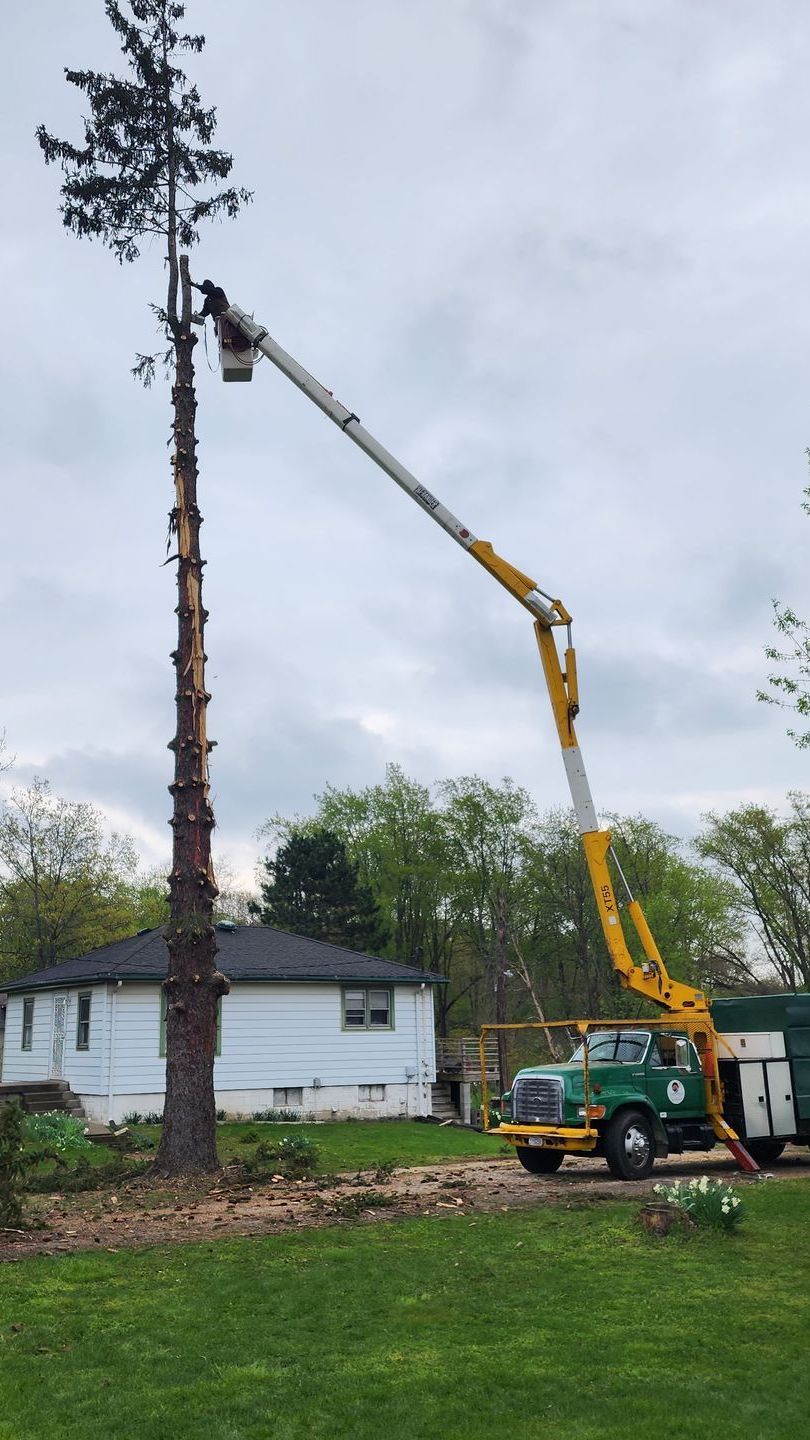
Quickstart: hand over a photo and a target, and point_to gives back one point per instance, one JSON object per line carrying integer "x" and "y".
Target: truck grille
{"x": 537, "y": 1100}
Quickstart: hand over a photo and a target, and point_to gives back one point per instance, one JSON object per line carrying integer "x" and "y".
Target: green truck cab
{"x": 646, "y": 1091}
{"x": 646, "y": 1099}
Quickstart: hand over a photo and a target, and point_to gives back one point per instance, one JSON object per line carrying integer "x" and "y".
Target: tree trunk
{"x": 193, "y": 985}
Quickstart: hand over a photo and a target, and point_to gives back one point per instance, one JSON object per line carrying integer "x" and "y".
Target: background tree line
{"x": 467, "y": 878}
{"x": 67, "y": 887}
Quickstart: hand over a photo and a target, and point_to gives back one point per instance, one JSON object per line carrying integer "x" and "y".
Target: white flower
{"x": 703, "y": 1184}
{"x": 725, "y": 1207}
{"x": 735, "y": 1202}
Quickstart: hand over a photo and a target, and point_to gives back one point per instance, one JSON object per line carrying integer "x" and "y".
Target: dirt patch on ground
{"x": 140, "y": 1214}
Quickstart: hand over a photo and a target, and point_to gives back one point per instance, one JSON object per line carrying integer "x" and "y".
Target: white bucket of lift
{"x": 236, "y": 356}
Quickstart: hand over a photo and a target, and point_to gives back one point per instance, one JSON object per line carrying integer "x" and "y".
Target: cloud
{"x": 555, "y": 259}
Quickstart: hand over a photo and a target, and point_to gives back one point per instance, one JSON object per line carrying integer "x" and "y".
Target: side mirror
{"x": 682, "y": 1056}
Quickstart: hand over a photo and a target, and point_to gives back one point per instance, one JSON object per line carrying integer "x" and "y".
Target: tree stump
{"x": 659, "y": 1218}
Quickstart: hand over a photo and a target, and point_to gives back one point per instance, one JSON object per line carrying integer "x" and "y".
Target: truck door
{"x": 676, "y": 1090}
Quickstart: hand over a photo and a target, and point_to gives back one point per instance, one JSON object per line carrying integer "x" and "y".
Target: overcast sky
{"x": 555, "y": 255}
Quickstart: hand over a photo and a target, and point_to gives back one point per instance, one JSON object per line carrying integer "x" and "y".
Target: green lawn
{"x": 361, "y": 1144}
{"x": 566, "y": 1324}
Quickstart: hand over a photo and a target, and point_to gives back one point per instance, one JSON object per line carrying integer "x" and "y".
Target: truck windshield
{"x": 625, "y": 1046}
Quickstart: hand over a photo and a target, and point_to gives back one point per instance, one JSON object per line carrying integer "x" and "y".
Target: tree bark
{"x": 193, "y": 985}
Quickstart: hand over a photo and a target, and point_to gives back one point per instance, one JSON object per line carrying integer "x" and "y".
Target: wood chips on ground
{"x": 140, "y": 1213}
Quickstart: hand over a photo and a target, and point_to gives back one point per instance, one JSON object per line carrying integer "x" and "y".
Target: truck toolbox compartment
{"x": 752, "y": 1044}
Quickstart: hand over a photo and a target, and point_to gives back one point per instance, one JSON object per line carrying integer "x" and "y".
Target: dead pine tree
{"x": 145, "y": 168}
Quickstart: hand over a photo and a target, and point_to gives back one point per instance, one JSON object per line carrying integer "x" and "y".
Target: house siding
{"x": 30, "y": 1064}
{"x": 273, "y": 1036}
{"x": 83, "y": 1069}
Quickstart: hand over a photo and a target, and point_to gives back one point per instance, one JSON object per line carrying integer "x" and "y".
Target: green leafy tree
{"x": 396, "y": 835}
{"x": 64, "y": 888}
{"x": 312, "y": 888}
{"x": 486, "y": 826}
{"x": 768, "y": 857}
{"x": 145, "y": 170}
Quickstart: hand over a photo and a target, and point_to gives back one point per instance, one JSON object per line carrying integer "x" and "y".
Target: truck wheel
{"x": 539, "y": 1162}
{"x": 630, "y": 1146}
{"x": 764, "y": 1151}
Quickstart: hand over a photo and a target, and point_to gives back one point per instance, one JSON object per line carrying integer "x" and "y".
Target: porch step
{"x": 39, "y": 1096}
{"x": 441, "y": 1103}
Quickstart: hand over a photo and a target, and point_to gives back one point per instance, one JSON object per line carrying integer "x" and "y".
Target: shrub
{"x": 286, "y": 1117}
{"x": 57, "y": 1131}
{"x": 350, "y": 1205}
{"x": 294, "y": 1156}
{"x": 710, "y": 1204}
{"x": 250, "y": 1137}
{"x": 153, "y": 1117}
{"x": 299, "y": 1156}
{"x": 15, "y": 1161}
{"x": 133, "y": 1118}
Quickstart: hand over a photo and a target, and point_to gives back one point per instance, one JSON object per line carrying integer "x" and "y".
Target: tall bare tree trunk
{"x": 194, "y": 984}
{"x": 524, "y": 975}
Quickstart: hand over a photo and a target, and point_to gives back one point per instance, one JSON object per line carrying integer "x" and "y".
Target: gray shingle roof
{"x": 248, "y": 952}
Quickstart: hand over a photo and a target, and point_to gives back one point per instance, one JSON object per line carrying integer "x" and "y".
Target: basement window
{"x": 371, "y": 1092}
{"x": 288, "y": 1097}
{"x": 27, "y": 1023}
{"x": 370, "y": 1009}
{"x": 83, "y": 1022}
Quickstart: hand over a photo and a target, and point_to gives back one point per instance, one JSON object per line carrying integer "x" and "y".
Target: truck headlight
{"x": 591, "y": 1112}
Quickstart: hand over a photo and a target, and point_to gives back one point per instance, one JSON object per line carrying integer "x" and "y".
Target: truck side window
{"x": 668, "y": 1051}
{"x": 655, "y": 1058}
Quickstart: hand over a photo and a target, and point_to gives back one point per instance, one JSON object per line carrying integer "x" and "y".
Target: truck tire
{"x": 764, "y": 1151}
{"x": 539, "y": 1162}
{"x": 630, "y": 1146}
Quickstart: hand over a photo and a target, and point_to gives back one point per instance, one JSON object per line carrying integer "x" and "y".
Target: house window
{"x": 27, "y": 1023}
{"x": 83, "y": 1022}
{"x": 371, "y": 1092}
{"x": 368, "y": 1010}
{"x": 162, "y": 1041}
{"x": 289, "y": 1097}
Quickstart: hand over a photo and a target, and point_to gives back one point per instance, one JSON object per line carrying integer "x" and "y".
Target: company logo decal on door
{"x": 675, "y": 1091}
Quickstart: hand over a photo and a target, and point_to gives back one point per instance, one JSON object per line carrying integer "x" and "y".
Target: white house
{"x": 306, "y": 1026}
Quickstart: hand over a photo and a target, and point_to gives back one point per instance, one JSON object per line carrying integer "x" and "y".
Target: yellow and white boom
{"x": 650, "y": 978}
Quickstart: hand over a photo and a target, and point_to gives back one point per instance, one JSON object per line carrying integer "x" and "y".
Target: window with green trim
{"x": 26, "y": 1041}
{"x": 162, "y": 1044}
{"x": 368, "y": 1009}
{"x": 83, "y": 1021}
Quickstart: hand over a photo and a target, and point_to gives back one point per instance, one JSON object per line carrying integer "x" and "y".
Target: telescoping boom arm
{"x": 650, "y": 978}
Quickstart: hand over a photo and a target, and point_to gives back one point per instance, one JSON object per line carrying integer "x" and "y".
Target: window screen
{"x": 83, "y": 1022}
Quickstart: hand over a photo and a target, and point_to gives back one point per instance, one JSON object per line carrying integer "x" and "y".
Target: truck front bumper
{"x": 575, "y": 1140}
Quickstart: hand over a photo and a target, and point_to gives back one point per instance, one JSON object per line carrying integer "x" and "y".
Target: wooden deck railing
{"x": 458, "y": 1057}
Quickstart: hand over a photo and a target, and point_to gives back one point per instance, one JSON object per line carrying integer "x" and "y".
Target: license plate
{"x": 537, "y": 1140}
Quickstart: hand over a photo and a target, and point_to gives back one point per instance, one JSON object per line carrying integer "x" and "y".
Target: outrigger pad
{"x": 744, "y": 1160}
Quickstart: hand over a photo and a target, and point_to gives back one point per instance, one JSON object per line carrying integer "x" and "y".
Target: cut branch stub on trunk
{"x": 194, "y": 985}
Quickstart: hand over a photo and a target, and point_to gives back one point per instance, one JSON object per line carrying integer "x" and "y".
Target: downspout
{"x": 424, "y": 1100}
{"x": 111, "y": 1053}
{"x": 419, "y": 1079}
